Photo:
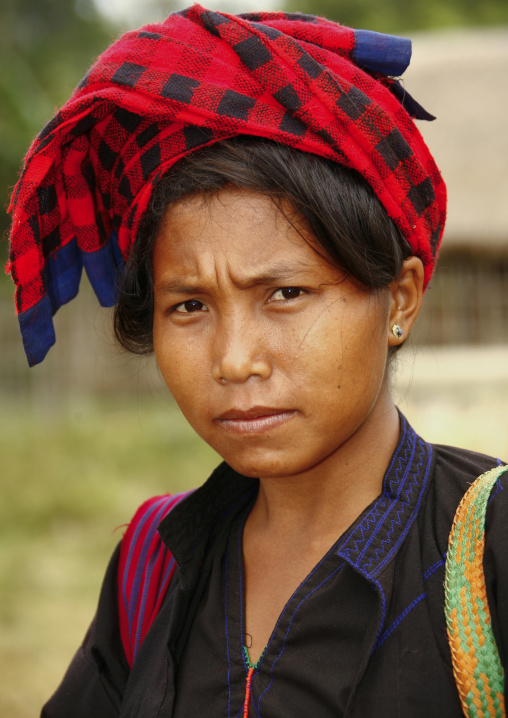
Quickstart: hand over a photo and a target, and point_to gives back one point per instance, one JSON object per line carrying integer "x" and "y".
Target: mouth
{"x": 256, "y": 420}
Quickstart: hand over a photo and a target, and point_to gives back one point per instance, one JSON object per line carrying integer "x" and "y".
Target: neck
{"x": 318, "y": 505}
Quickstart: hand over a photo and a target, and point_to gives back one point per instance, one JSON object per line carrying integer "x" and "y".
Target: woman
{"x": 279, "y": 215}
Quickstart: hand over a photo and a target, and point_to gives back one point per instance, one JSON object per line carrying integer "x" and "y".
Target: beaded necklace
{"x": 251, "y": 667}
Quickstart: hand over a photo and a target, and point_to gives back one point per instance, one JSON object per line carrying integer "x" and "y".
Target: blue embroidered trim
{"x": 414, "y": 486}
{"x": 364, "y": 528}
{"x": 257, "y": 704}
{"x": 316, "y": 567}
{"x": 395, "y": 488}
{"x": 383, "y": 610}
{"x": 242, "y": 618}
{"x": 498, "y": 487}
{"x": 240, "y": 586}
{"x": 226, "y": 628}
{"x": 382, "y": 638}
{"x": 391, "y": 628}
{"x": 331, "y": 575}
{"x": 371, "y": 545}
{"x": 428, "y": 573}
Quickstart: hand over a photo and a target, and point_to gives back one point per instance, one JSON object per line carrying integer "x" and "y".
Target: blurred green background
{"x": 87, "y": 436}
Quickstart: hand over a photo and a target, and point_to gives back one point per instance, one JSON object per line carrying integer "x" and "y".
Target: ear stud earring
{"x": 397, "y": 331}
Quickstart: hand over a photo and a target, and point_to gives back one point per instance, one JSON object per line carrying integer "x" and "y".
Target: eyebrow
{"x": 276, "y": 274}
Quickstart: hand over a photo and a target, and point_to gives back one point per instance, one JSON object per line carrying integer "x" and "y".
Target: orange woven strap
{"x": 476, "y": 664}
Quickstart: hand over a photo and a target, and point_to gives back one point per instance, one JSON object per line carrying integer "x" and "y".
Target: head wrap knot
{"x": 201, "y": 76}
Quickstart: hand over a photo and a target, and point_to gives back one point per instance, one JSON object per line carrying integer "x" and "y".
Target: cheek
{"x": 344, "y": 352}
{"x": 365, "y": 362}
{"x": 179, "y": 362}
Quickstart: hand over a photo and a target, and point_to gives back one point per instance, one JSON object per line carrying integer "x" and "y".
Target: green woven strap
{"x": 476, "y": 664}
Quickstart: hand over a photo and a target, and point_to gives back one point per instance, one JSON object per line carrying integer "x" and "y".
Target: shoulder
{"x": 482, "y": 527}
{"x": 454, "y": 471}
{"x": 461, "y": 465}
{"x": 149, "y": 515}
{"x": 145, "y": 569}
{"x": 141, "y": 536}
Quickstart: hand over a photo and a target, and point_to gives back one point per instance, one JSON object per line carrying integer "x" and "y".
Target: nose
{"x": 240, "y": 352}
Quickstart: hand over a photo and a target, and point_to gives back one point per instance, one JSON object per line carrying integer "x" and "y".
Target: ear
{"x": 406, "y": 299}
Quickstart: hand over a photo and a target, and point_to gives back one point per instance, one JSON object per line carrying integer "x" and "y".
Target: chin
{"x": 263, "y": 467}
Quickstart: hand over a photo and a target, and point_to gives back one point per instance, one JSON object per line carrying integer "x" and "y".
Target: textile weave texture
{"x": 476, "y": 662}
{"x": 201, "y": 76}
{"x": 145, "y": 571}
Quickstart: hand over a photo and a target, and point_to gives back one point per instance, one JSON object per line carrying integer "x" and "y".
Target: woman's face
{"x": 274, "y": 357}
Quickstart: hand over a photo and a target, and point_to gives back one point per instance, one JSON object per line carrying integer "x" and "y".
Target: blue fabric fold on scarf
{"x": 387, "y": 54}
{"x": 63, "y": 276}
{"x": 103, "y": 269}
{"x": 37, "y": 330}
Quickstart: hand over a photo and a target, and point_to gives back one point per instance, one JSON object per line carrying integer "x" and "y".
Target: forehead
{"x": 241, "y": 231}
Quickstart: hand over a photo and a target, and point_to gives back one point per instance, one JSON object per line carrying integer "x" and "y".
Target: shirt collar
{"x": 368, "y": 545}
{"x": 375, "y": 537}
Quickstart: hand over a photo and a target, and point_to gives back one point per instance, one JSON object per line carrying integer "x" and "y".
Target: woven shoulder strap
{"x": 145, "y": 570}
{"x": 477, "y": 667}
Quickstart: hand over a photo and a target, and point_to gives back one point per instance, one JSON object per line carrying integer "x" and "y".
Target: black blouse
{"x": 364, "y": 635}
{"x": 296, "y": 674}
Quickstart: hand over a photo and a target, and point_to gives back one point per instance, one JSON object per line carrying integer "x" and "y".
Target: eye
{"x": 285, "y": 293}
{"x": 192, "y": 305}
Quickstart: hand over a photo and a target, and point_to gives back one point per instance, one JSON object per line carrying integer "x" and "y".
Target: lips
{"x": 255, "y": 420}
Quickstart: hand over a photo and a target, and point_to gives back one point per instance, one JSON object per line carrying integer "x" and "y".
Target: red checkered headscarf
{"x": 201, "y": 76}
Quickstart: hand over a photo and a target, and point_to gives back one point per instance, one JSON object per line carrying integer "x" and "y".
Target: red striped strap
{"x": 144, "y": 573}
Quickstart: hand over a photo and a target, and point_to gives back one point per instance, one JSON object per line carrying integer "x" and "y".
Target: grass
{"x": 68, "y": 479}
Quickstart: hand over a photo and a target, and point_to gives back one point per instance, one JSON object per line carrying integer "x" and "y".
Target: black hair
{"x": 339, "y": 207}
